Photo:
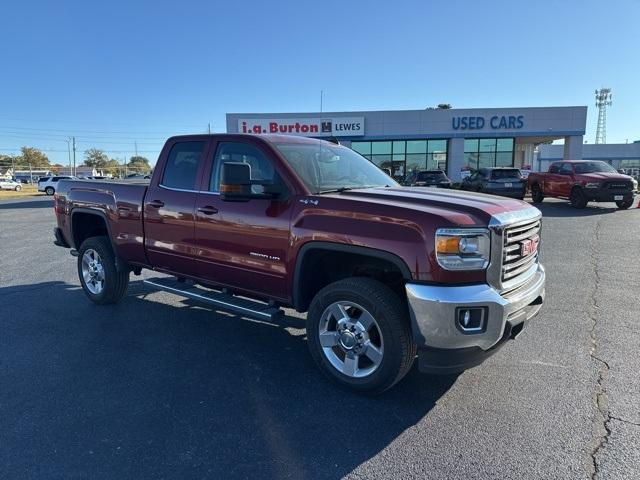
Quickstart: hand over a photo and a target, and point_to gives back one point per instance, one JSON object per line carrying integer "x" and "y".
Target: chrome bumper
{"x": 433, "y": 311}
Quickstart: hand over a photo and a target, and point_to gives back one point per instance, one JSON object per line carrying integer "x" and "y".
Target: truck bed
{"x": 120, "y": 202}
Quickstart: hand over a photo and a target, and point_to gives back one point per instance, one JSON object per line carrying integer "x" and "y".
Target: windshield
{"x": 500, "y": 174}
{"x": 325, "y": 167}
{"x": 592, "y": 167}
{"x": 430, "y": 177}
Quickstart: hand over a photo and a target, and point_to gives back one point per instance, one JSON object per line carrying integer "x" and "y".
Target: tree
{"x": 33, "y": 157}
{"x": 444, "y": 106}
{"x": 139, "y": 164}
{"x": 7, "y": 161}
{"x": 95, "y": 158}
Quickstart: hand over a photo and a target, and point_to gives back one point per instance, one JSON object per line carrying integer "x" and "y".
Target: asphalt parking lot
{"x": 161, "y": 387}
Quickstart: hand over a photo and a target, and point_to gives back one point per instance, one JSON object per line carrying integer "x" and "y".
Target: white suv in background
{"x": 48, "y": 185}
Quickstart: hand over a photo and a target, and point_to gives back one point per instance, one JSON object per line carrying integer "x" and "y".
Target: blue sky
{"x": 112, "y": 73}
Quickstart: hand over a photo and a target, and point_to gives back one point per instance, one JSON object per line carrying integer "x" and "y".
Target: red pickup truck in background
{"x": 583, "y": 181}
{"x": 253, "y": 224}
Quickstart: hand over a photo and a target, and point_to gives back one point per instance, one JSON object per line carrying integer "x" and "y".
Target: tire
{"x": 388, "y": 351}
{"x": 624, "y": 205}
{"x": 49, "y": 191}
{"x": 577, "y": 198}
{"x": 101, "y": 281}
{"x": 536, "y": 194}
{"x": 18, "y": 188}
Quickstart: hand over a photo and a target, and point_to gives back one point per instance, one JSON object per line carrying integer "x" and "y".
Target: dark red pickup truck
{"x": 582, "y": 181}
{"x": 253, "y": 224}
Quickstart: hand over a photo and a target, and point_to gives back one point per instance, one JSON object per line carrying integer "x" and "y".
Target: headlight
{"x": 591, "y": 185}
{"x": 635, "y": 184}
{"x": 463, "y": 248}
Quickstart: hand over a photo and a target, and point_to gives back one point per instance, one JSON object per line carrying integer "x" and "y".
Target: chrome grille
{"x": 514, "y": 263}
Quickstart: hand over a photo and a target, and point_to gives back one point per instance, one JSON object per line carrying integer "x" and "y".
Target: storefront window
{"x": 380, "y": 148}
{"x": 363, "y": 148}
{"x": 403, "y": 156}
{"x": 488, "y": 152}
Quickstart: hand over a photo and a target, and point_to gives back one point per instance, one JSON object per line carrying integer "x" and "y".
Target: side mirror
{"x": 621, "y": 170}
{"x": 236, "y": 183}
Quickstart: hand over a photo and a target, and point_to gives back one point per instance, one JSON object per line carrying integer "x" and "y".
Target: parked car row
{"x": 579, "y": 181}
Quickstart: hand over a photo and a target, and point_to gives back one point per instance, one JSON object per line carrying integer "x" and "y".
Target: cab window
{"x": 566, "y": 169}
{"x": 181, "y": 169}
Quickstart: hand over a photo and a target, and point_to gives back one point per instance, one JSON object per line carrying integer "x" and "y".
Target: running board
{"x": 224, "y": 301}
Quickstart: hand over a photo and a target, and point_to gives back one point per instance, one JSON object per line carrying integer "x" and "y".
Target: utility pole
{"x": 74, "y": 157}
{"x": 135, "y": 146}
{"x": 209, "y": 127}
{"x": 69, "y": 152}
{"x": 124, "y": 162}
{"x": 321, "y": 95}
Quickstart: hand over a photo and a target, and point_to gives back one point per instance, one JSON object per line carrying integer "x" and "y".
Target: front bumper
{"x": 606, "y": 195}
{"x": 511, "y": 193}
{"x": 443, "y": 346}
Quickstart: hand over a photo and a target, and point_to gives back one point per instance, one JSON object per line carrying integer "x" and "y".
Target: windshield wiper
{"x": 336, "y": 190}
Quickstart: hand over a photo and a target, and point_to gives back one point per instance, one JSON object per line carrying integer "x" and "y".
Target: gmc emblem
{"x": 530, "y": 246}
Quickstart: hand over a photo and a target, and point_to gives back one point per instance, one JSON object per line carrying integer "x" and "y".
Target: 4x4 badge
{"x": 308, "y": 201}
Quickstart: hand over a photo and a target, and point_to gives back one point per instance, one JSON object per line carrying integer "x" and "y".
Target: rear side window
{"x": 182, "y": 165}
{"x": 261, "y": 167}
{"x": 554, "y": 168}
{"x": 55, "y": 179}
{"x": 566, "y": 168}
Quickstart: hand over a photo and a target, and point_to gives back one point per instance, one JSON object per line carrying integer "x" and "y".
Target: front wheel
{"x": 101, "y": 281}
{"x": 18, "y": 188}
{"x": 624, "y": 204}
{"x": 359, "y": 335}
{"x": 578, "y": 198}
{"x": 536, "y": 194}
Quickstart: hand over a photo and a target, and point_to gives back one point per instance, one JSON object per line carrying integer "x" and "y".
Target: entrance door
{"x": 169, "y": 220}
{"x": 243, "y": 245}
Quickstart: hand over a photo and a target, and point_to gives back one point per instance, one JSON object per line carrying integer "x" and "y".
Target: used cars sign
{"x": 307, "y": 127}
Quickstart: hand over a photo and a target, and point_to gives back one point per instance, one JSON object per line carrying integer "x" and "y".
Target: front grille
{"x": 617, "y": 185}
{"x": 514, "y": 263}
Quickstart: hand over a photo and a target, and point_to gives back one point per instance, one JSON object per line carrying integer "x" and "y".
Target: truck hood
{"x": 456, "y": 206}
{"x": 599, "y": 176}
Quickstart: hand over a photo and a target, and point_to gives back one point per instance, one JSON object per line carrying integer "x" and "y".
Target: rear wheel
{"x": 49, "y": 191}
{"x": 18, "y": 188}
{"x": 624, "y": 205}
{"x": 359, "y": 335}
{"x": 577, "y": 198}
{"x": 101, "y": 281}
{"x": 536, "y": 194}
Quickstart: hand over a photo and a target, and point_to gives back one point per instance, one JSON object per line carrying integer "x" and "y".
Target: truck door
{"x": 551, "y": 179}
{"x": 565, "y": 180}
{"x": 243, "y": 245}
{"x": 169, "y": 207}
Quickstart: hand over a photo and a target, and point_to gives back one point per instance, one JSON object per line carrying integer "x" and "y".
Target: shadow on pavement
{"x": 148, "y": 389}
{"x": 36, "y": 203}
{"x": 563, "y": 210}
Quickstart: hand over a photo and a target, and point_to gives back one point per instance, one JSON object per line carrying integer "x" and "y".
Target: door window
{"x": 181, "y": 169}
{"x": 261, "y": 167}
{"x": 566, "y": 169}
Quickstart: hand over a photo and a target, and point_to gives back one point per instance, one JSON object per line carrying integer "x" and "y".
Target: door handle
{"x": 208, "y": 210}
{"x": 156, "y": 203}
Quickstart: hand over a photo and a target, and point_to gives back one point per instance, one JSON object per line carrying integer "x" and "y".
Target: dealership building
{"x": 453, "y": 140}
